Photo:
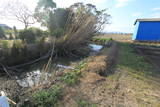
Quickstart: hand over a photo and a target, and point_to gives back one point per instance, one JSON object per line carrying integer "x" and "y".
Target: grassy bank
{"x": 135, "y": 82}
{"x": 132, "y": 62}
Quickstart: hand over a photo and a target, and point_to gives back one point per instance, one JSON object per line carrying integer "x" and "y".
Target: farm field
{"x": 118, "y": 37}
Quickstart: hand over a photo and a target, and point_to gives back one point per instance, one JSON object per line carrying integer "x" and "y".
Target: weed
{"x": 48, "y": 98}
{"x": 82, "y": 103}
{"x": 71, "y": 78}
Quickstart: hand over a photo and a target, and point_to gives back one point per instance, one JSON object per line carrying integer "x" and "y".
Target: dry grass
{"x": 118, "y": 37}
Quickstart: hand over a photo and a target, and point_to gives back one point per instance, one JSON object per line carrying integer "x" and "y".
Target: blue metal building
{"x": 147, "y": 30}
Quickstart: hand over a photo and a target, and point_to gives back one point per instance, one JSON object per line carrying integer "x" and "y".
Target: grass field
{"x": 118, "y": 37}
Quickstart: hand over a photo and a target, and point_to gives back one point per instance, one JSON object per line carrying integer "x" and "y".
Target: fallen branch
{"x": 15, "y": 68}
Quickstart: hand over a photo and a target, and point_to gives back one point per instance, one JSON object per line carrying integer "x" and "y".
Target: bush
{"x": 49, "y": 98}
{"x": 27, "y": 35}
{"x": 18, "y": 51}
{"x": 2, "y": 33}
{"x": 5, "y": 44}
{"x": 8, "y": 31}
{"x": 71, "y": 78}
{"x": 30, "y": 35}
{"x": 38, "y": 32}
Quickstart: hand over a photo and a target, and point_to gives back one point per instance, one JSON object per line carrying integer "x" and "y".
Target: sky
{"x": 123, "y": 12}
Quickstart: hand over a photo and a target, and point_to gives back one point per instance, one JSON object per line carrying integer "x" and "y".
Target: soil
{"x": 121, "y": 89}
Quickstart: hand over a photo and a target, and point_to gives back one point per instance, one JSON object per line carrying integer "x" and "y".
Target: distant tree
{"x": 2, "y": 34}
{"x": 43, "y": 10}
{"x": 57, "y": 21}
{"x": 27, "y": 36}
{"x": 17, "y": 10}
{"x": 15, "y": 32}
{"x": 11, "y": 36}
{"x": 30, "y": 35}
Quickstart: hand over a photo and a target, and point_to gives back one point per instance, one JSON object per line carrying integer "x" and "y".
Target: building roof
{"x": 147, "y": 20}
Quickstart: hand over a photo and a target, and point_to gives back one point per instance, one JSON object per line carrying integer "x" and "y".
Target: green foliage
{"x": 2, "y": 33}
{"x": 48, "y": 98}
{"x": 18, "y": 50}
{"x": 43, "y": 10}
{"x": 15, "y": 32}
{"x": 30, "y": 35}
{"x": 5, "y": 44}
{"x": 57, "y": 21}
{"x": 11, "y": 36}
{"x": 101, "y": 40}
{"x": 82, "y": 103}
{"x": 71, "y": 78}
{"x": 8, "y": 31}
{"x": 27, "y": 35}
{"x": 38, "y": 32}
{"x": 57, "y": 32}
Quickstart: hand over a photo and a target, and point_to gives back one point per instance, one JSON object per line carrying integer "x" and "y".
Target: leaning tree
{"x": 83, "y": 21}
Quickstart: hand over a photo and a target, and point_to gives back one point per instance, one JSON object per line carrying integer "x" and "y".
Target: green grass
{"x": 101, "y": 40}
{"x": 132, "y": 62}
{"x": 71, "y": 78}
{"x": 48, "y": 98}
{"x": 82, "y": 103}
{"x": 5, "y": 43}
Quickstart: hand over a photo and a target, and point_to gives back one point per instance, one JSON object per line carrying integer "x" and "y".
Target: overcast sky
{"x": 123, "y": 12}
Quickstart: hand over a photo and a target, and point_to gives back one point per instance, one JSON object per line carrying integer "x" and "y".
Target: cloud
{"x": 137, "y": 14}
{"x": 156, "y": 9}
{"x": 156, "y": 15}
{"x": 122, "y": 3}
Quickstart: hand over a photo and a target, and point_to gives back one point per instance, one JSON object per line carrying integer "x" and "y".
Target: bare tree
{"x": 19, "y": 11}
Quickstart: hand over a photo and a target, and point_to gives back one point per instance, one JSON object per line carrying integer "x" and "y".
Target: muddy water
{"x": 33, "y": 75}
{"x": 95, "y": 47}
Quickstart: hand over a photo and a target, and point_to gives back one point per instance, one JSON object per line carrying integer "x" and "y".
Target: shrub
{"x": 5, "y": 44}
{"x": 2, "y": 33}
{"x": 71, "y": 78}
{"x": 30, "y": 35}
{"x": 27, "y": 35}
{"x": 18, "y": 51}
{"x": 15, "y": 32}
{"x": 49, "y": 98}
{"x": 38, "y": 32}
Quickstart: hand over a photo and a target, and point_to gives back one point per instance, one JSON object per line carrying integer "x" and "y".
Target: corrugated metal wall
{"x": 147, "y": 31}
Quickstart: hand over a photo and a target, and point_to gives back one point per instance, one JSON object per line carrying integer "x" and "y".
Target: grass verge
{"x": 132, "y": 62}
